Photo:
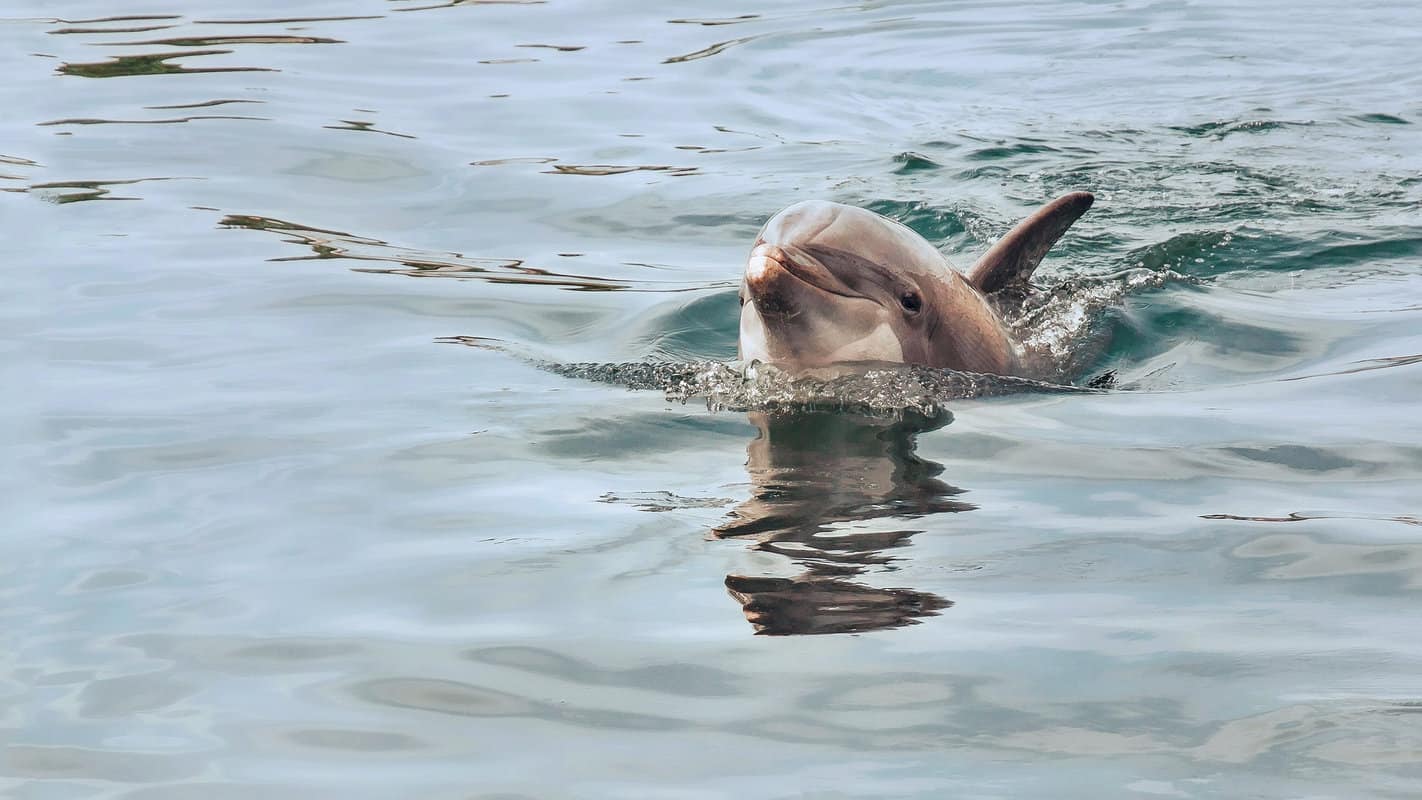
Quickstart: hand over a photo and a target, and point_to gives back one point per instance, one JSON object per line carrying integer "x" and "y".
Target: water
{"x": 270, "y": 536}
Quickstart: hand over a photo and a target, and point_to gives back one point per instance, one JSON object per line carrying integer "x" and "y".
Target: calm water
{"x": 270, "y": 538}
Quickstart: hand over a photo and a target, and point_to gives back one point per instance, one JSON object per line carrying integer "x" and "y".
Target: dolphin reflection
{"x": 811, "y": 473}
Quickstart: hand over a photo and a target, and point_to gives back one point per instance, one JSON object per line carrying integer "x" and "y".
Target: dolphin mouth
{"x": 770, "y": 264}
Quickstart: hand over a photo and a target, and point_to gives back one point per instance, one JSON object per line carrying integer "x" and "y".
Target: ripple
{"x": 1380, "y": 119}
{"x": 1295, "y": 516}
{"x": 171, "y": 121}
{"x": 354, "y": 741}
{"x": 701, "y": 149}
{"x": 466, "y": 700}
{"x": 701, "y": 329}
{"x": 686, "y": 680}
{"x": 662, "y": 501}
{"x": 131, "y": 29}
{"x": 641, "y": 434}
{"x": 106, "y": 579}
{"x": 711, "y": 50}
{"x": 1180, "y": 251}
{"x": 456, "y": 3}
{"x": 364, "y": 127}
{"x": 83, "y": 763}
{"x": 1380, "y": 247}
{"x": 617, "y": 169}
{"x": 57, "y": 191}
{"x": 225, "y": 790}
{"x": 218, "y": 41}
{"x": 1297, "y": 457}
{"x": 125, "y": 18}
{"x": 932, "y": 222}
{"x": 562, "y": 48}
{"x": 1223, "y": 128}
{"x": 203, "y": 104}
{"x": 284, "y": 20}
{"x": 911, "y": 162}
{"x": 1301, "y": 727}
{"x": 1303, "y": 557}
{"x": 501, "y": 162}
{"x": 121, "y": 697}
{"x": 716, "y": 21}
{"x": 245, "y": 656}
{"x": 1003, "y": 151}
{"x": 1367, "y": 365}
{"x": 18, "y": 162}
{"x": 333, "y": 244}
{"x": 907, "y": 691}
{"x": 150, "y": 64}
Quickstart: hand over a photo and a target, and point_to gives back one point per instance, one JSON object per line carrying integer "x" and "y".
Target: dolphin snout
{"x": 784, "y": 268}
{"x": 764, "y": 260}
{"x": 771, "y": 283}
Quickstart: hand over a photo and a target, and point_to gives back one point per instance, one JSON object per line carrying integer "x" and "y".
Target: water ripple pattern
{"x": 270, "y": 535}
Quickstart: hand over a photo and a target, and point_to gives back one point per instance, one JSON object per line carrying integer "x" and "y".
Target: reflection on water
{"x": 219, "y": 41}
{"x": 618, "y": 169}
{"x": 1295, "y": 516}
{"x": 149, "y": 64}
{"x": 133, "y": 29}
{"x": 707, "y": 52}
{"x": 364, "y": 126}
{"x": 172, "y": 121}
{"x": 78, "y": 191}
{"x": 811, "y": 604}
{"x": 326, "y": 243}
{"x": 453, "y": 3}
{"x": 815, "y": 478}
{"x": 205, "y": 104}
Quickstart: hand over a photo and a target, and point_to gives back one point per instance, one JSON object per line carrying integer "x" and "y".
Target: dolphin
{"x": 828, "y": 283}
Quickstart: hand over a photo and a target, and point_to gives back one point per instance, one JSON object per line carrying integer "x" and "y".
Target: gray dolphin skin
{"x": 828, "y": 283}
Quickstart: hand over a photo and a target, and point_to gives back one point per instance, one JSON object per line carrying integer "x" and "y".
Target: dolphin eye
{"x": 911, "y": 302}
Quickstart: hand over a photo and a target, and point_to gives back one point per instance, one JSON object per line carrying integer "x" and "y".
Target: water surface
{"x": 272, "y": 537}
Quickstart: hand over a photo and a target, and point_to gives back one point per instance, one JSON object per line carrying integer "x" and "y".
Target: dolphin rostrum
{"x": 828, "y": 283}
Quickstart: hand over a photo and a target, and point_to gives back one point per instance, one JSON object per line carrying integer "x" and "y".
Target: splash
{"x": 875, "y": 390}
{"x": 870, "y": 389}
{"x": 1061, "y": 329}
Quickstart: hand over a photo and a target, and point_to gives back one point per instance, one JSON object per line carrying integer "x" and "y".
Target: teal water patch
{"x": 704, "y": 328}
{"x": 931, "y": 219}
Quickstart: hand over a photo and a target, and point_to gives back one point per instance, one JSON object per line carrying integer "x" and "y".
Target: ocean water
{"x": 272, "y": 532}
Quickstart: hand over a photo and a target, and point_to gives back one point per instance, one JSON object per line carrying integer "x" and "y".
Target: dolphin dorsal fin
{"x": 1017, "y": 254}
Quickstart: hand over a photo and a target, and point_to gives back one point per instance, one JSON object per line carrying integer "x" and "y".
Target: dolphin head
{"x": 829, "y": 283}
